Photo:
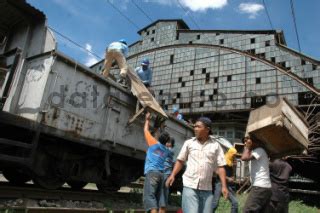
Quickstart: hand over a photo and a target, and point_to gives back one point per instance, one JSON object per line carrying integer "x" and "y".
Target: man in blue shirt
{"x": 144, "y": 72}
{"x": 177, "y": 114}
{"x": 154, "y": 189}
{"x": 117, "y": 51}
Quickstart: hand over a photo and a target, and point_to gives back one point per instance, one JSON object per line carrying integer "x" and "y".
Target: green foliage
{"x": 132, "y": 201}
{"x": 294, "y": 206}
{"x": 225, "y": 205}
{"x": 135, "y": 196}
{"x": 11, "y": 210}
{"x": 174, "y": 200}
{"x": 299, "y": 207}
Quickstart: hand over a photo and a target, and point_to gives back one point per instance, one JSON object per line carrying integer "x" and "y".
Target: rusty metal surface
{"x": 70, "y": 101}
{"x": 22, "y": 26}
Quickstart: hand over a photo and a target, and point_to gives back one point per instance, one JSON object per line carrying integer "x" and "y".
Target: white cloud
{"x": 91, "y": 59}
{"x": 194, "y": 5}
{"x": 203, "y": 5}
{"x": 89, "y": 47}
{"x": 251, "y": 8}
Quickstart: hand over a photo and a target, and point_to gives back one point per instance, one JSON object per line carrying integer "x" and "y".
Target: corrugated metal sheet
{"x": 14, "y": 12}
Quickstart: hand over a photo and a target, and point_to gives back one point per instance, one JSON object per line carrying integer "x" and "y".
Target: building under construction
{"x": 223, "y": 74}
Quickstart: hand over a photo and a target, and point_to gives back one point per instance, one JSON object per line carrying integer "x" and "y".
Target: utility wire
{"x": 188, "y": 12}
{"x": 137, "y": 6}
{"x": 295, "y": 24}
{"x": 265, "y": 6}
{"x": 126, "y": 17}
{"x": 75, "y": 43}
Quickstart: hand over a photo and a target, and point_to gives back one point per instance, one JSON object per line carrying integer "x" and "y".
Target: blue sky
{"x": 95, "y": 23}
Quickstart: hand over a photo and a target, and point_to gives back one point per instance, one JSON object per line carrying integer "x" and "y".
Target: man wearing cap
{"x": 203, "y": 156}
{"x": 259, "y": 196}
{"x": 176, "y": 113}
{"x": 144, "y": 72}
{"x": 117, "y": 51}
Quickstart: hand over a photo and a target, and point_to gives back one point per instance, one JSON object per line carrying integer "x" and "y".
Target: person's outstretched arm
{"x": 147, "y": 135}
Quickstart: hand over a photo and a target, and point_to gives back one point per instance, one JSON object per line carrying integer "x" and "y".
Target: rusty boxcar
{"x": 59, "y": 121}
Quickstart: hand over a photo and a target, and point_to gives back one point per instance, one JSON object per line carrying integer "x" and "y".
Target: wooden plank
{"x": 142, "y": 93}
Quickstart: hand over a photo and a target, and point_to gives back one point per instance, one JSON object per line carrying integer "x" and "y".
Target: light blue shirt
{"x": 144, "y": 75}
{"x": 119, "y": 47}
{"x": 179, "y": 117}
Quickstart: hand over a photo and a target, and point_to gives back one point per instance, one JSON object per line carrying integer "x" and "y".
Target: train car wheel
{"x": 107, "y": 188}
{"x": 77, "y": 185}
{"x": 48, "y": 181}
{"x": 15, "y": 176}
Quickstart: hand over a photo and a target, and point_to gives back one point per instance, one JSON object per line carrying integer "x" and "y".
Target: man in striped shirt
{"x": 203, "y": 156}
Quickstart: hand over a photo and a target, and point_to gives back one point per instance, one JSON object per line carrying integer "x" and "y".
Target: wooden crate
{"x": 282, "y": 128}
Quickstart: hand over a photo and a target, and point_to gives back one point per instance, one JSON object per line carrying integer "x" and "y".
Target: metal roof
{"x": 181, "y": 23}
{"x": 280, "y": 36}
{"x": 13, "y": 12}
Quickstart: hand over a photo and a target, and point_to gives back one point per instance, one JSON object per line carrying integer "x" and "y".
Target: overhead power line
{"x": 295, "y": 24}
{"x": 141, "y": 10}
{"x": 188, "y": 12}
{"x": 126, "y": 17}
{"x": 266, "y": 8}
{"x": 75, "y": 43}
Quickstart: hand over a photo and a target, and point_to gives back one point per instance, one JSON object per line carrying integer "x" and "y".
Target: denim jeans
{"x": 232, "y": 197}
{"x": 154, "y": 191}
{"x": 166, "y": 190}
{"x": 196, "y": 201}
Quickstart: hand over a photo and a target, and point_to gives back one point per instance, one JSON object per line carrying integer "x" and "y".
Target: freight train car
{"x": 59, "y": 121}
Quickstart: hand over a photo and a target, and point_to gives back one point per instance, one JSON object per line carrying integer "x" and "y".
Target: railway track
{"x": 32, "y": 192}
{"x": 63, "y": 210}
{"x": 29, "y": 198}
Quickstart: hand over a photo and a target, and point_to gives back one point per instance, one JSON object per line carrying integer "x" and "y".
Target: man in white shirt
{"x": 260, "y": 193}
{"x": 203, "y": 156}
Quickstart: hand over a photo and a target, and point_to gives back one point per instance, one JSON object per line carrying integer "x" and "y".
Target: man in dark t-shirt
{"x": 279, "y": 173}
